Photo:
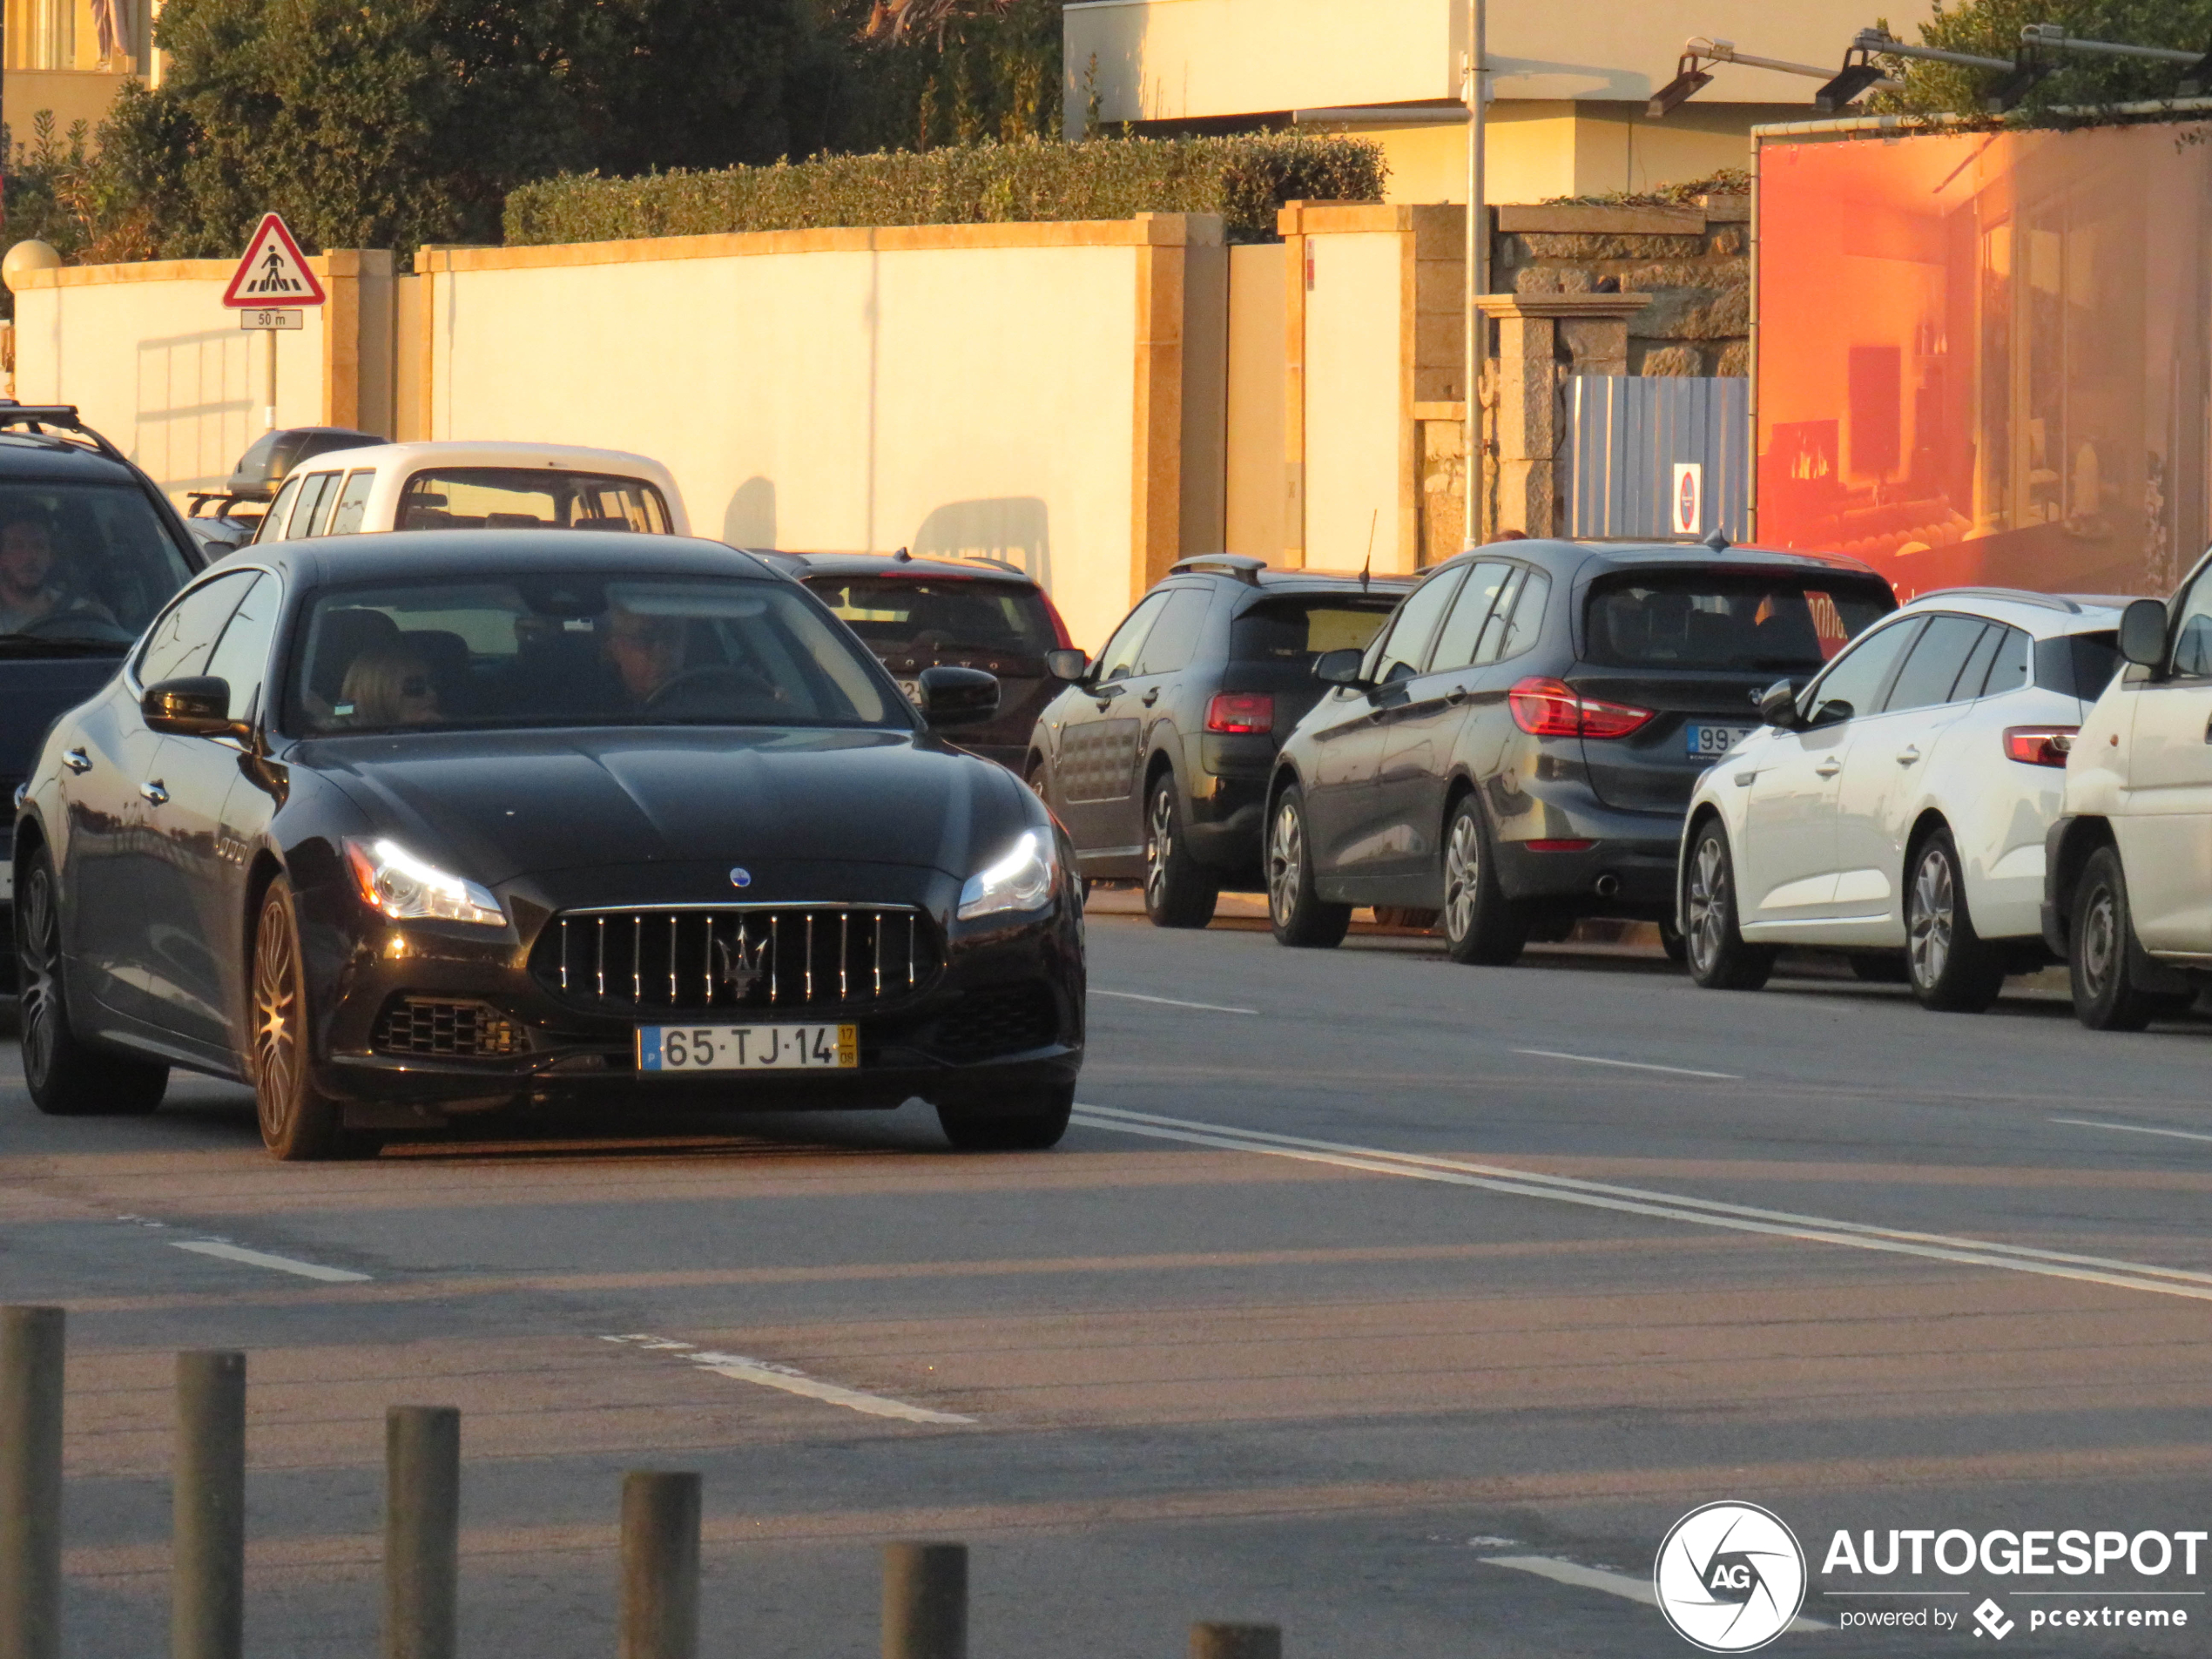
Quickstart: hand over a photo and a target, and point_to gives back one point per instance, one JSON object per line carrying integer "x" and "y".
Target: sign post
{"x": 268, "y": 291}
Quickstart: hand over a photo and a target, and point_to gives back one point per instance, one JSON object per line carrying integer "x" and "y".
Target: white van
{"x": 473, "y": 486}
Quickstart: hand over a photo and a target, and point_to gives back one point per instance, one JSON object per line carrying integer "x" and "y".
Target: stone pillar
{"x": 1543, "y": 338}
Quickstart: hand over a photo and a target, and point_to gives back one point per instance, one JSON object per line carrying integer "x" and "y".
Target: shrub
{"x": 1244, "y": 180}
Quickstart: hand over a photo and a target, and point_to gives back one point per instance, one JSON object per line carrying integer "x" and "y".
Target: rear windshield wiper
{"x": 33, "y": 646}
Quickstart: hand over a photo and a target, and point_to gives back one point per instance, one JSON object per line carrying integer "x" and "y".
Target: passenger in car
{"x": 389, "y": 685}
{"x": 30, "y": 590}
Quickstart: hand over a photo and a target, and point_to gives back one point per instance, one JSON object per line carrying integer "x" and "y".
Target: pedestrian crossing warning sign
{"x": 273, "y": 272}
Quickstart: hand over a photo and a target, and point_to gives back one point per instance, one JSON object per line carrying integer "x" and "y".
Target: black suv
{"x": 1157, "y": 759}
{"x": 938, "y": 613}
{"x": 1518, "y": 748}
{"x": 89, "y": 550}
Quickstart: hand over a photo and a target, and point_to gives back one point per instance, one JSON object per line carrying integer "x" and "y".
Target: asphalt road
{"x": 1360, "y": 1273}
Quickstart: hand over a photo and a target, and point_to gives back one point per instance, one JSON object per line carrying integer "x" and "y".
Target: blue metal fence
{"x": 1626, "y": 434}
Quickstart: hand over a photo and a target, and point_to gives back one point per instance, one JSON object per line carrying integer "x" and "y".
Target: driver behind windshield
{"x": 30, "y": 590}
{"x": 644, "y": 651}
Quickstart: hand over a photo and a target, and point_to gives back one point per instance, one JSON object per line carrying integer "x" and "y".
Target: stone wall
{"x": 1694, "y": 261}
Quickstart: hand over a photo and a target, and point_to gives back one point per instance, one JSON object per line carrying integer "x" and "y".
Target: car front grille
{"x": 697, "y": 960}
{"x": 431, "y": 1030}
{"x": 1004, "y": 1020}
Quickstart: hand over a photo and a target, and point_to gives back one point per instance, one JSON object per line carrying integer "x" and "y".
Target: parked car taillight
{"x": 1243, "y": 712}
{"x": 2041, "y": 746}
{"x": 1550, "y": 708}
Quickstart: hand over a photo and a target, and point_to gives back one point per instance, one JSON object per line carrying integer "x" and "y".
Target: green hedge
{"x": 1243, "y": 179}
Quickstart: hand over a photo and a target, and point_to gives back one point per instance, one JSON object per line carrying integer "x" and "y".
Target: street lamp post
{"x": 1477, "y": 272}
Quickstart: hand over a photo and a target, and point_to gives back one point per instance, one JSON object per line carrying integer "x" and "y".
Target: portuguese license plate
{"x": 1706, "y": 738}
{"x": 747, "y": 1047}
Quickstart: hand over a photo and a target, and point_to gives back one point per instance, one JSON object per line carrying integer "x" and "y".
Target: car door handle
{"x": 1151, "y": 696}
{"x": 1828, "y": 768}
{"x": 1908, "y": 755}
{"x": 78, "y": 760}
{"x": 154, "y": 792}
{"x": 1458, "y": 694}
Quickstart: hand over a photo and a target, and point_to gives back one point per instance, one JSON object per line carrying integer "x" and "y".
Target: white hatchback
{"x": 1895, "y": 809}
{"x": 450, "y": 485}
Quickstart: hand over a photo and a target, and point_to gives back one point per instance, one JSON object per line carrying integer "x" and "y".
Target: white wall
{"x": 976, "y": 399}
{"x": 1354, "y": 389}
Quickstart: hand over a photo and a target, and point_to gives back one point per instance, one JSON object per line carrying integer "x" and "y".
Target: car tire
{"x": 2100, "y": 965}
{"x": 1011, "y": 1126}
{"x": 1719, "y": 958}
{"x": 299, "y": 1122}
{"x": 1880, "y": 968}
{"x": 66, "y": 1076}
{"x": 1296, "y": 912}
{"x": 1178, "y": 892}
{"x": 1952, "y": 970}
{"x": 1482, "y": 928}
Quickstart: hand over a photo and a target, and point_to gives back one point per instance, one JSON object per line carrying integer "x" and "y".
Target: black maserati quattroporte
{"x": 432, "y": 824}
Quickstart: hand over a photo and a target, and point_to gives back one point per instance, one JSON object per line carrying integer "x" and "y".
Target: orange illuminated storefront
{"x": 1986, "y": 357}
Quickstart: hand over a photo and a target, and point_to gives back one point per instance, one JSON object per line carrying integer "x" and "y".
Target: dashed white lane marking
{"x": 1631, "y": 1065}
{"x": 1665, "y": 1206}
{"x": 738, "y": 1368}
{"x": 1172, "y": 1001}
{"x": 1593, "y": 1578}
{"x": 2133, "y": 1129}
{"x": 262, "y": 1258}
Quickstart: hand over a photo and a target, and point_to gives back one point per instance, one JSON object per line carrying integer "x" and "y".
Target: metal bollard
{"x": 31, "y": 1483}
{"x": 660, "y": 1565}
{"x": 207, "y": 1509}
{"x": 421, "y": 1531}
{"x": 925, "y": 1601}
{"x": 1236, "y": 1642}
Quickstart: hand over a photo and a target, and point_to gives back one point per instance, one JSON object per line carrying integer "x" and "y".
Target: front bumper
{"x": 1001, "y": 1016}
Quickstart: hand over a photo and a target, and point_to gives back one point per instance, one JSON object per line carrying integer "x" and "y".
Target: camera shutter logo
{"x": 1731, "y": 1577}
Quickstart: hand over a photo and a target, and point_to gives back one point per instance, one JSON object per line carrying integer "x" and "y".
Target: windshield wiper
{"x": 32, "y": 645}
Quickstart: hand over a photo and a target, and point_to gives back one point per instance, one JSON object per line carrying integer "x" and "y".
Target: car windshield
{"x": 528, "y": 498}
{"x": 83, "y": 568}
{"x": 1298, "y": 630}
{"x": 913, "y": 618}
{"x": 1724, "y": 620}
{"x": 565, "y": 648}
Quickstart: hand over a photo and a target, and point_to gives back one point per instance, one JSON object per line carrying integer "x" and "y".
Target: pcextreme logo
{"x": 1729, "y": 1577}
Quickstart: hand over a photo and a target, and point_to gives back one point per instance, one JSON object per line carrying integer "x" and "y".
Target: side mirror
{"x": 199, "y": 707}
{"x": 1067, "y": 664}
{"x": 2142, "y": 632}
{"x": 951, "y": 696}
{"x": 1778, "y": 704}
{"x": 1339, "y": 667}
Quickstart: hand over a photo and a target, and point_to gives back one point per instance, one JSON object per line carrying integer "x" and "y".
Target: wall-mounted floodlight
{"x": 2021, "y": 73}
{"x": 1691, "y": 77}
{"x": 2055, "y": 37}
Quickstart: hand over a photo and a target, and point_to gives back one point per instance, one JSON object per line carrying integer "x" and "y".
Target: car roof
{"x": 472, "y": 453}
{"x": 56, "y": 459}
{"x": 398, "y": 555}
{"x": 2046, "y": 616}
{"x": 891, "y": 566}
{"x": 1596, "y": 557}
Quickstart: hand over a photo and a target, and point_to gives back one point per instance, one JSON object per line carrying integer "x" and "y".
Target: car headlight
{"x": 1020, "y": 881}
{"x": 395, "y": 883}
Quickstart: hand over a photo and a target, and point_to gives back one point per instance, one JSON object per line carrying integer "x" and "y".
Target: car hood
{"x": 505, "y": 804}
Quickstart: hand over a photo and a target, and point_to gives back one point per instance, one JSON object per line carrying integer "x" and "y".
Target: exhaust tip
{"x": 1609, "y": 886}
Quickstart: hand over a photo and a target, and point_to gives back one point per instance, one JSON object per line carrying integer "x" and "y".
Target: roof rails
{"x": 2014, "y": 596}
{"x": 61, "y": 415}
{"x": 1243, "y": 566}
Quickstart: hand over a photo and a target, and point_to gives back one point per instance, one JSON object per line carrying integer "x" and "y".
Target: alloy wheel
{"x": 276, "y": 1033}
{"x": 1285, "y": 864}
{"x": 1708, "y": 904}
{"x": 39, "y": 1009}
{"x": 1159, "y": 845}
{"x": 1932, "y": 918}
{"x": 1462, "y": 876}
